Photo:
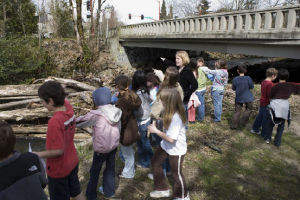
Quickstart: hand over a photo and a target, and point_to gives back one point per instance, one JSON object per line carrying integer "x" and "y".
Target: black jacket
{"x": 22, "y": 178}
{"x": 188, "y": 83}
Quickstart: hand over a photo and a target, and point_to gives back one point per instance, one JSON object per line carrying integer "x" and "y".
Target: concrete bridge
{"x": 273, "y": 33}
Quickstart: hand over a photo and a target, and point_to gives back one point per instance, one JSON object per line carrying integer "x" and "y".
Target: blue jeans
{"x": 201, "y": 108}
{"x": 269, "y": 125}
{"x": 128, "y": 154}
{"x": 260, "y": 120}
{"x": 108, "y": 175}
{"x": 144, "y": 148}
{"x": 217, "y": 96}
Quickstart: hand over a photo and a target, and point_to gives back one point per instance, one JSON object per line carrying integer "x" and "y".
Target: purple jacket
{"x": 106, "y": 125}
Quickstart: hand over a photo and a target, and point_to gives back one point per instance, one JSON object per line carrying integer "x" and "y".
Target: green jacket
{"x": 202, "y": 79}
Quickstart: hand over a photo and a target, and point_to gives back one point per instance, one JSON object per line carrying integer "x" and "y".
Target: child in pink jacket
{"x": 105, "y": 121}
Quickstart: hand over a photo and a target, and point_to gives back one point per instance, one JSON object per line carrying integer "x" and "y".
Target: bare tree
{"x": 72, "y": 10}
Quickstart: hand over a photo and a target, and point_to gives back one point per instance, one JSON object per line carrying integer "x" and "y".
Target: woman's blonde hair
{"x": 172, "y": 103}
{"x": 122, "y": 83}
{"x": 184, "y": 56}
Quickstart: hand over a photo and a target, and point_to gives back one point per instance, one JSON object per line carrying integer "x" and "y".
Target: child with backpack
{"x": 106, "y": 124}
{"x": 172, "y": 146}
{"x": 129, "y": 103}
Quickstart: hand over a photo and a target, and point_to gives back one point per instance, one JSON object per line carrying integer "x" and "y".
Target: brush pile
{"x": 21, "y": 106}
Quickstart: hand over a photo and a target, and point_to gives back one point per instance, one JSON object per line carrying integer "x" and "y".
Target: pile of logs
{"x": 21, "y": 107}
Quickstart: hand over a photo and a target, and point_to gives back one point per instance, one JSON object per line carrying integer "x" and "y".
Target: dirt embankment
{"x": 66, "y": 56}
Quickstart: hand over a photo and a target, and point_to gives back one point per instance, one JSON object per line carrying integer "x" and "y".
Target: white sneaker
{"x": 150, "y": 176}
{"x": 267, "y": 141}
{"x": 185, "y": 198}
{"x": 159, "y": 194}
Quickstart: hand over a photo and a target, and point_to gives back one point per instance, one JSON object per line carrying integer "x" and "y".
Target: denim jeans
{"x": 201, "y": 108}
{"x": 217, "y": 96}
{"x": 128, "y": 154}
{"x": 108, "y": 175}
{"x": 144, "y": 148}
{"x": 269, "y": 125}
{"x": 260, "y": 120}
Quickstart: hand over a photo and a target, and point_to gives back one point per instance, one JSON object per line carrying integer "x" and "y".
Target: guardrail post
{"x": 215, "y": 24}
{"x": 268, "y": 20}
{"x": 291, "y": 19}
{"x": 203, "y": 25}
{"x": 257, "y": 21}
{"x": 279, "y": 20}
{"x": 209, "y": 24}
{"x": 197, "y": 25}
{"x": 248, "y": 22}
{"x": 231, "y": 23}
{"x": 224, "y": 23}
{"x": 192, "y": 25}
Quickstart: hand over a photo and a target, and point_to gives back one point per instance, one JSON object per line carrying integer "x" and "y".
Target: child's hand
{"x": 152, "y": 129}
{"x": 36, "y": 153}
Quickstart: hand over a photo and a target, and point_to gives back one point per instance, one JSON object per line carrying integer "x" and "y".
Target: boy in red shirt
{"x": 61, "y": 155}
{"x": 266, "y": 86}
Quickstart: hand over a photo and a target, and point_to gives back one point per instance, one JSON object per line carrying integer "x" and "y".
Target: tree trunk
{"x": 92, "y": 19}
{"x": 18, "y": 103}
{"x": 74, "y": 21}
{"x": 4, "y": 16}
{"x": 79, "y": 23}
{"x": 21, "y": 17}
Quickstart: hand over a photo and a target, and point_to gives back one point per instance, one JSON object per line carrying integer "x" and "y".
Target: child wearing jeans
{"x": 144, "y": 148}
{"x": 242, "y": 86}
{"x": 61, "y": 155}
{"x": 279, "y": 108}
{"x": 264, "y": 101}
{"x": 106, "y": 124}
{"x": 172, "y": 146}
{"x": 128, "y": 102}
{"x": 217, "y": 90}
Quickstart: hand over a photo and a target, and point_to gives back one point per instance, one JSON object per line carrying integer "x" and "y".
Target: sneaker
{"x": 185, "y": 198}
{"x": 122, "y": 176}
{"x": 267, "y": 141}
{"x": 150, "y": 176}
{"x": 254, "y": 132}
{"x": 102, "y": 192}
{"x": 159, "y": 194}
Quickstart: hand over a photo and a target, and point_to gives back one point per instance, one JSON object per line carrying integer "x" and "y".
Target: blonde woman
{"x": 187, "y": 79}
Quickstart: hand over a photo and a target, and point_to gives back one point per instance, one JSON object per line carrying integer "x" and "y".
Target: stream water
{"x": 37, "y": 144}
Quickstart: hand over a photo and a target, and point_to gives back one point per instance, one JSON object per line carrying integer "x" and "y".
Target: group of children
{"x": 141, "y": 108}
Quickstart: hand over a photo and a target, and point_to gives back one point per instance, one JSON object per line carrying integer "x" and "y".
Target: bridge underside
{"x": 264, "y": 47}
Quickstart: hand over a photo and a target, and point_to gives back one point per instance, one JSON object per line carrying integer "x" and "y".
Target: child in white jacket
{"x": 105, "y": 121}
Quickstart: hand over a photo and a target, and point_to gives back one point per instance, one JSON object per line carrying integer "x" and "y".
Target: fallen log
{"x": 18, "y": 103}
{"x": 27, "y": 129}
{"x": 25, "y": 114}
{"x": 73, "y": 84}
{"x": 24, "y": 90}
{"x": 17, "y": 98}
{"x": 85, "y": 95}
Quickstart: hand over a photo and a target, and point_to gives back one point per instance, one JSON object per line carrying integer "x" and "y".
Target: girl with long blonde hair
{"x": 172, "y": 146}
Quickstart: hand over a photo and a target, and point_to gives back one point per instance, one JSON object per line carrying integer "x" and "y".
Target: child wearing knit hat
{"x": 105, "y": 121}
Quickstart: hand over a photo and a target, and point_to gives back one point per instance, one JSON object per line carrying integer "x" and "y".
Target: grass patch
{"x": 247, "y": 169}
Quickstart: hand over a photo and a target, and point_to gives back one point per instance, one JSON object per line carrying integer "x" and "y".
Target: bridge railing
{"x": 271, "y": 20}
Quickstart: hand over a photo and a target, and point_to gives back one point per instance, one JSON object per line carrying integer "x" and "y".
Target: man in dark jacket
{"x": 22, "y": 175}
